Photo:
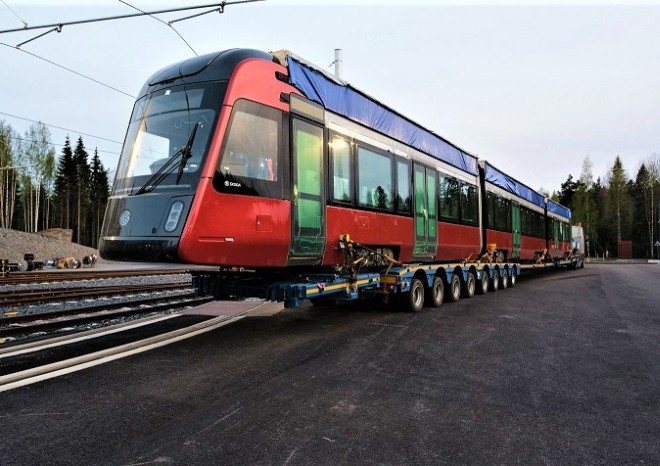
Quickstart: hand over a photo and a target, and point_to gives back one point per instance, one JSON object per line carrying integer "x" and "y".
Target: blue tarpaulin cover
{"x": 504, "y": 181}
{"x": 347, "y": 101}
{"x": 559, "y": 209}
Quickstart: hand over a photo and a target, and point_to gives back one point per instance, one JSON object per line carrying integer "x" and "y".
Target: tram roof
{"x": 210, "y": 67}
{"x": 510, "y": 184}
{"x": 342, "y": 98}
{"x": 559, "y": 209}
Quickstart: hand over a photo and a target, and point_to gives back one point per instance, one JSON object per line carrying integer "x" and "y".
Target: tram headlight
{"x": 173, "y": 217}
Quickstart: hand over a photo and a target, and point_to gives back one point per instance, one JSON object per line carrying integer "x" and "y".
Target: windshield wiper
{"x": 186, "y": 153}
{"x": 182, "y": 155}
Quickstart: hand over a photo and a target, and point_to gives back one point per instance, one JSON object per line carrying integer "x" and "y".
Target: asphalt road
{"x": 564, "y": 369}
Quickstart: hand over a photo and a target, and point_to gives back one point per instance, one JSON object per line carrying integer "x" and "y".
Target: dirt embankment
{"x": 14, "y": 244}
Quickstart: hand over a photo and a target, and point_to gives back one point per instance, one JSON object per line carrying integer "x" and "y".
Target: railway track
{"x": 40, "y": 276}
{"x": 31, "y": 324}
{"x": 77, "y": 304}
{"x": 40, "y": 296}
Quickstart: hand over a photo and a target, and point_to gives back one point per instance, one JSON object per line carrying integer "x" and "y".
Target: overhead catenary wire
{"x": 161, "y": 21}
{"x": 220, "y": 10}
{"x": 112, "y": 18}
{"x": 25, "y": 25}
{"x": 58, "y": 27}
{"x": 69, "y": 70}
{"x": 60, "y": 127}
{"x": 16, "y": 138}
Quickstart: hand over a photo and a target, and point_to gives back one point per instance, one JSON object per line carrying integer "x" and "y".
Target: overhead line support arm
{"x": 133, "y": 15}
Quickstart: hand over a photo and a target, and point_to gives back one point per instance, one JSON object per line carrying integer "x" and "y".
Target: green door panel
{"x": 307, "y": 216}
{"x": 516, "y": 229}
{"x": 432, "y": 200}
{"x": 426, "y": 212}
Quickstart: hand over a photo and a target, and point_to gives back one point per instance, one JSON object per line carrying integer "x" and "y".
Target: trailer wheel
{"x": 470, "y": 286}
{"x": 512, "y": 278}
{"x": 454, "y": 288}
{"x": 413, "y": 301}
{"x": 495, "y": 282}
{"x": 504, "y": 281}
{"x": 436, "y": 293}
{"x": 483, "y": 283}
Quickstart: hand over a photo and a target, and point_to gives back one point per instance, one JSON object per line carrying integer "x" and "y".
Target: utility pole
{"x": 339, "y": 63}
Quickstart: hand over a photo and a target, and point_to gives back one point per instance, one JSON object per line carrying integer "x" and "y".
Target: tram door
{"x": 307, "y": 196}
{"x": 516, "y": 230}
{"x": 426, "y": 213}
{"x": 556, "y": 235}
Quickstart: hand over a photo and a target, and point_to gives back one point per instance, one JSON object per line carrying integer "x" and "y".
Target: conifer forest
{"x": 42, "y": 189}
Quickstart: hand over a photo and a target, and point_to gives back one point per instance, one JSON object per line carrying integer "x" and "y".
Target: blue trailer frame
{"x": 405, "y": 284}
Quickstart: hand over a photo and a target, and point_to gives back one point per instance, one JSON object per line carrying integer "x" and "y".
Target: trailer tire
{"x": 436, "y": 293}
{"x": 495, "y": 282}
{"x": 454, "y": 288}
{"x": 483, "y": 283}
{"x": 413, "y": 301}
{"x": 470, "y": 286}
{"x": 504, "y": 280}
{"x": 513, "y": 277}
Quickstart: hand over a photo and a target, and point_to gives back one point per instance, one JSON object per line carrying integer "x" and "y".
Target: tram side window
{"x": 449, "y": 199}
{"x": 341, "y": 170}
{"x": 374, "y": 179}
{"x": 502, "y": 214}
{"x": 526, "y": 221}
{"x": 469, "y": 204}
{"x": 403, "y": 198}
{"x": 249, "y": 160}
{"x": 499, "y": 213}
{"x": 490, "y": 210}
{"x": 540, "y": 225}
{"x": 533, "y": 224}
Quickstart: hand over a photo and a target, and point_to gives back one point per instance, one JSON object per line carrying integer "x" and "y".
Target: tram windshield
{"x": 161, "y": 125}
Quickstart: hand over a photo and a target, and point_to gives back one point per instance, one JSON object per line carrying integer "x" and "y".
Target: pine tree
{"x": 603, "y": 232}
{"x": 567, "y": 191}
{"x": 99, "y": 193}
{"x": 618, "y": 202}
{"x": 65, "y": 181}
{"x": 82, "y": 192}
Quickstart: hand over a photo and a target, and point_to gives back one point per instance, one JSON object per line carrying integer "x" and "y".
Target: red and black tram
{"x": 245, "y": 158}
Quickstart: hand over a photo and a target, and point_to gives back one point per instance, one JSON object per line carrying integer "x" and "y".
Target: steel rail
{"x": 59, "y": 320}
{"x": 40, "y": 296}
{"x": 15, "y": 278}
{"x": 49, "y": 371}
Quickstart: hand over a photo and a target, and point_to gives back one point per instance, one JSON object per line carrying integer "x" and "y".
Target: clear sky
{"x": 531, "y": 86}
